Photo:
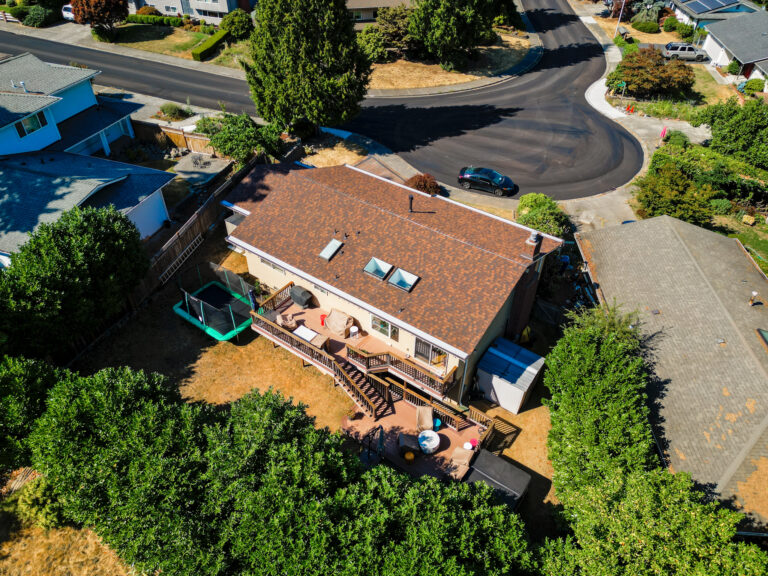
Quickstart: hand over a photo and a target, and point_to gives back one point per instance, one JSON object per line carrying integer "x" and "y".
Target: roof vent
{"x": 330, "y": 249}
{"x": 410, "y": 202}
{"x": 532, "y": 246}
{"x": 403, "y": 280}
{"x": 23, "y": 86}
{"x": 377, "y": 268}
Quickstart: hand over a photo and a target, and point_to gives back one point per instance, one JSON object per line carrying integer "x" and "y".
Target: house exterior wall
{"x": 276, "y": 279}
{"x": 212, "y": 11}
{"x": 716, "y": 52}
{"x": 150, "y": 214}
{"x": 682, "y": 16}
{"x": 12, "y": 143}
{"x": 74, "y": 100}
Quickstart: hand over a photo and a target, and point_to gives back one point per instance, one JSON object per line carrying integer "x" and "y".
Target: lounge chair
{"x": 339, "y": 323}
{"x": 286, "y": 321}
{"x": 460, "y": 462}
{"x": 424, "y": 420}
{"x": 408, "y": 442}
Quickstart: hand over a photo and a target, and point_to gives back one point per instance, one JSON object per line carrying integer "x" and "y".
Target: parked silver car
{"x": 683, "y": 51}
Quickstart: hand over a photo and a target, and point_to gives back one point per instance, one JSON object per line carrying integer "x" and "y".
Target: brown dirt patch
{"x": 493, "y": 60}
{"x": 59, "y": 552}
{"x": 335, "y": 152}
{"x": 216, "y": 372}
{"x": 752, "y": 493}
{"x": 609, "y": 26}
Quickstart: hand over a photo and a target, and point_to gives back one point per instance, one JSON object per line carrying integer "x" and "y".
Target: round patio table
{"x": 429, "y": 441}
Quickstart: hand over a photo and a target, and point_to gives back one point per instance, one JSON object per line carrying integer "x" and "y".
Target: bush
{"x": 626, "y": 46}
{"x": 153, "y": 20}
{"x": 239, "y": 136}
{"x": 149, "y": 11}
{"x": 210, "y": 46}
{"x": 734, "y": 67}
{"x": 173, "y": 111}
{"x": 424, "y": 183}
{"x": 39, "y": 505}
{"x": 721, "y": 206}
{"x": 209, "y": 125}
{"x": 685, "y": 31}
{"x": 371, "y": 42}
{"x": 740, "y": 131}
{"x": 39, "y": 17}
{"x": 754, "y": 85}
{"x": 19, "y": 12}
{"x": 670, "y": 24}
{"x": 393, "y": 24}
{"x": 11, "y": 3}
{"x": 540, "y": 212}
{"x": 647, "y": 74}
{"x": 666, "y": 190}
{"x": 677, "y": 138}
{"x": 505, "y": 14}
{"x": 208, "y": 29}
{"x": 238, "y": 23}
{"x": 647, "y": 27}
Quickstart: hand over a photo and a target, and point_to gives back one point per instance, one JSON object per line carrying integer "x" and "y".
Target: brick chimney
{"x": 532, "y": 246}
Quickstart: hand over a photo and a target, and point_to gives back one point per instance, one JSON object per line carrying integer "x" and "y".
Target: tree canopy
{"x": 239, "y": 136}
{"x": 307, "y": 64}
{"x": 238, "y": 23}
{"x": 102, "y": 15}
{"x": 740, "y": 131}
{"x": 646, "y": 73}
{"x": 540, "y": 212}
{"x": 69, "y": 277}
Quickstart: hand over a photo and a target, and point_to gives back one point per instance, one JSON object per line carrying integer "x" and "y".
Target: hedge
{"x": 155, "y": 20}
{"x": 208, "y": 47}
{"x": 647, "y": 27}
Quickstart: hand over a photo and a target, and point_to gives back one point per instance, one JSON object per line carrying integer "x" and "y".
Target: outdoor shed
{"x": 507, "y": 373}
{"x": 508, "y": 481}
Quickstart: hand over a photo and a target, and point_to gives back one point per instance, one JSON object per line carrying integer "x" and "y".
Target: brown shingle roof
{"x": 467, "y": 262}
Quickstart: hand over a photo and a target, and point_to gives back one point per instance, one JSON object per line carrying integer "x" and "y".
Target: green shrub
{"x": 647, "y": 27}
{"x": 721, "y": 206}
{"x": 173, "y": 111}
{"x": 734, "y": 67}
{"x": 19, "y": 12}
{"x": 371, "y": 41}
{"x": 677, "y": 138}
{"x": 210, "y": 46}
{"x": 149, "y": 11}
{"x": 238, "y": 23}
{"x": 626, "y": 46}
{"x": 685, "y": 31}
{"x": 540, "y": 212}
{"x": 666, "y": 190}
{"x": 207, "y": 29}
{"x": 155, "y": 20}
{"x": 39, "y": 17}
{"x": 740, "y": 131}
{"x": 647, "y": 74}
{"x": 393, "y": 23}
{"x": 670, "y": 24}
{"x": 39, "y": 505}
{"x": 751, "y": 86}
{"x": 11, "y": 3}
{"x": 209, "y": 125}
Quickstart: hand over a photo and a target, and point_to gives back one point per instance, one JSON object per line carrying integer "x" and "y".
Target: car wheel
{"x": 466, "y": 185}
{"x": 674, "y": 57}
{"x": 498, "y": 192}
{"x": 699, "y": 58}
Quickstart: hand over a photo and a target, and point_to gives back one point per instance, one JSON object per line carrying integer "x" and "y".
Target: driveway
{"x": 537, "y": 128}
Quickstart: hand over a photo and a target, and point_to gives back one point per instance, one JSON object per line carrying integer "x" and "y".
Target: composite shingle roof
{"x": 39, "y": 77}
{"x": 746, "y": 37}
{"x": 37, "y": 187}
{"x": 691, "y": 289}
{"x": 14, "y": 107}
{"x": 467, "y": 262}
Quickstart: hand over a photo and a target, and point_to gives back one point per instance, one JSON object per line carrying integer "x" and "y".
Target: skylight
{"x": 403, "y": 280}
{"x": 330, "y": 249}
{"x": 378, "y": 268}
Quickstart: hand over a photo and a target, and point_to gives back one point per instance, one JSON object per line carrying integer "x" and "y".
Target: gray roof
{"x": 746, "y": 37}
{"x": 38, "y": 186}
{"x": 691, "y": 288}
{"x": 91, "y": 121}
{"x": 363, "y": 4}
{"x": 713, "y": 10}
{"x": 14, "y": 107}
{"x": 39, "y": 77}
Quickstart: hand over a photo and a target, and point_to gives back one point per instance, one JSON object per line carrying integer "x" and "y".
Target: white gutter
{"x": 365, "y": 306}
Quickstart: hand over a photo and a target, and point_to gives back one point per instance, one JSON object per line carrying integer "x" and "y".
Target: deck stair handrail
{"x": 276, "y": 299}
{"x": 451, "y": 417}
{"x": 479, "y": 417}
{"x": 385, "y": 360}
{"x": 317, "y": 356}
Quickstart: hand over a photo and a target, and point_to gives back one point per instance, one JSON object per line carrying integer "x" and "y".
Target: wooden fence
{"x": 180, "y": 139}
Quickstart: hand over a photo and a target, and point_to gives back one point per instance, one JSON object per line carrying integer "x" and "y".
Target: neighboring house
{"x": 52, "y": 106}
{"x": 365, "y": 11}
{"x": 429, "y": 282}
{"x": 700, "y": 13}
{"x": 744, "y": 38}
{"x": 37, "y": 187}
{"x": 709, "y": 348}
{"x": 212, "y": 11}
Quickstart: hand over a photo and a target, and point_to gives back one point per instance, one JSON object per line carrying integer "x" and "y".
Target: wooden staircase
{"x": 381, "y": 404}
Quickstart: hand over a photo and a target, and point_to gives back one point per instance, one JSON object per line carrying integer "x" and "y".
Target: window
{"x": 377, "y": 268}
{"x": 403, "y": 280}
{"x": 31, "y": 124}
{"x": 272, "y": 265}
{"x": 330, "y": 249}
{"x": 357, "y": 15}
{"x": 170, "y": 9}
{"x": 384, "y": 327}
{"x": 429, "y": 353}
{"x": 321, "y": 290}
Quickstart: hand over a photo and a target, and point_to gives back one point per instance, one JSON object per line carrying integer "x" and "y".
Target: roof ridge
{"x": 361, "y": 201}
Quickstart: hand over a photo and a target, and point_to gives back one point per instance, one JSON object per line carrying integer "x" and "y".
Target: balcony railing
{"x": 276, "y": 299}
{"x": 315, "y": 355}
{"x": 410, "y": 370}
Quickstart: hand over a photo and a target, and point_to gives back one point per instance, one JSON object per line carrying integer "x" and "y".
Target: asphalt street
{"x": 537, "y": 128}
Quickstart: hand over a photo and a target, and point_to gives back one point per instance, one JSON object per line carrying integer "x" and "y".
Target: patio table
{"x": 429, "y": 441}
{"x": 305, "y": 333}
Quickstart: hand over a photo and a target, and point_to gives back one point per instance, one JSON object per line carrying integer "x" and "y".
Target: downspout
{"x": 464, "y": 379}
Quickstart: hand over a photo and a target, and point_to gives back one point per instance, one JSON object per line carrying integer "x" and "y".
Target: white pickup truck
{"x": 678, "y": 51}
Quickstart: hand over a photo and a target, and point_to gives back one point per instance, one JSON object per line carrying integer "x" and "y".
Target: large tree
{"x": 307, "y": 65}
{"x": 102, "y": 15}
{"x": 68, "y": 278}
{"x": 646, "y": 74}
{"x": 741, "y": 131}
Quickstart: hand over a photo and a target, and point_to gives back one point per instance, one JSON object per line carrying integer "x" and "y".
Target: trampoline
{"x": 221, "y": 306}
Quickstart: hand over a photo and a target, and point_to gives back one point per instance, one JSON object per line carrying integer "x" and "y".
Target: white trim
{"x": 365, "y": 306}
{"x": 454, "y": 202}
{"x": 235, "y": 208}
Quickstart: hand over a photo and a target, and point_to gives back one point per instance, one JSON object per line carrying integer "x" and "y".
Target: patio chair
{"x": 286, "y": 321}
{"x": 424, "y": 419}
{"x": 460, "y": 462}
{"x": 408, "y": 442}
{"x": 339, "y": 323}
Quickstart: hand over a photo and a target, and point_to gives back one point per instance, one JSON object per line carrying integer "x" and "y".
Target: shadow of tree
{"x": 569, "y": 55}
{"x": 547, "y": 19}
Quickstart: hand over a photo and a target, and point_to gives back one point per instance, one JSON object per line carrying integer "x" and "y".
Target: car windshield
{"x": 497, "y": 178}
{"x": 669, "y": 46}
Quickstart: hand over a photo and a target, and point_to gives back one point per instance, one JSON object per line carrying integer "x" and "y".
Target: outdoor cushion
{"x": 407, "y": 442}
{"x": 338, "y": 322}
{"x": 424, "y": 418}
{"x": 460, "y": 461}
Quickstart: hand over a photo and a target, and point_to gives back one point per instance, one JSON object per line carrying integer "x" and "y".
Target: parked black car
{"x": 487, "y": 180}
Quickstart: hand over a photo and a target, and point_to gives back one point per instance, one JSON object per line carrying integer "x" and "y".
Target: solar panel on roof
{"x": 697, "y": 7}
{"x": 711, "y": 4}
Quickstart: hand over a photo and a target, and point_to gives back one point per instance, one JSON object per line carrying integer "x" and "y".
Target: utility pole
{"x": 621, "y": 12}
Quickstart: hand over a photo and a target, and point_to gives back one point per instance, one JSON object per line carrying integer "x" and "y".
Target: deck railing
{"x": 479, "y": 417}
{"x": 276, "y": 299}
{"x": 416, "y": 373}
{"x": 315, "y": 355}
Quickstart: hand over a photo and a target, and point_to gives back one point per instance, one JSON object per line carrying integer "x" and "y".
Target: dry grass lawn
{"x": 216, "y": 372}
{"x": 160, "y": 39}
{"x": 333, "y": 151}
{"x": 609, "y": 25}
{"x": 492, "y": 61}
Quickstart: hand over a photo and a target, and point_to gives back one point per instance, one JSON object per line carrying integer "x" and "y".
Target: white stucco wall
{"x": 74, "y": 100}
{"x": 150, "y": 214}
{"x": 682, "y": 16}
{"x": 11, "y": 143}
{"x": 717, "y": 54}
